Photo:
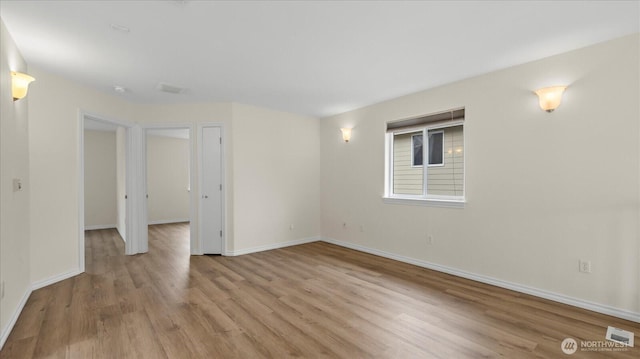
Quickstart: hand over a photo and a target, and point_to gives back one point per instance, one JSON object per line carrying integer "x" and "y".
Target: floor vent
{"x": 620, "y": 336}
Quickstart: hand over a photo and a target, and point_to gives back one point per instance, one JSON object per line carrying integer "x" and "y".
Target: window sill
{"x": 427, "y": 202}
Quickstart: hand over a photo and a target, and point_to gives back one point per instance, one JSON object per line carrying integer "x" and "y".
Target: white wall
{"x": 167, "y": 179}
{"x": 121, "y": 181}
{"x": 54, "y": 105}
{"x": 14, "y": 207}
{"x": 543, "y": 190}
{"x": 100, "y": 210}
{"x": 276, "y": 175}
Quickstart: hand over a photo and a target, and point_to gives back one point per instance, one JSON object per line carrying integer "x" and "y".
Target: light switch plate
{"x": 17, "y": 185}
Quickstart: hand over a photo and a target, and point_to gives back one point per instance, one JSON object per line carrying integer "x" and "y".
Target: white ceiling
{"x": 310, "y": 57}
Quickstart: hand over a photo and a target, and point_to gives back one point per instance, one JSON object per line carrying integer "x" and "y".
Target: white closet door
{"x": 211, "y": 190}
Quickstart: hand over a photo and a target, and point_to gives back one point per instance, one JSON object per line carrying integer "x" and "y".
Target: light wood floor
{"x": 313, "y": 300}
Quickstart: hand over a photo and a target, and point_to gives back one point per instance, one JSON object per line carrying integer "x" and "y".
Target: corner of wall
{"x": 15, "y": 235}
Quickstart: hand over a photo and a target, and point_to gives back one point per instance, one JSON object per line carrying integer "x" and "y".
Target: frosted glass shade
{"x": 346, "y": 134}
{"x": 20, "y": 84}
{"x": 550, "y": 97}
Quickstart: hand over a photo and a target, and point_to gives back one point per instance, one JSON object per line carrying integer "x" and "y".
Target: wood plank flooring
{"x": 313, "y": 300}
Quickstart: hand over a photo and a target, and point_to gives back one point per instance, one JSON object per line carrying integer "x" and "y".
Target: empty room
{"x": 337, "y": 179}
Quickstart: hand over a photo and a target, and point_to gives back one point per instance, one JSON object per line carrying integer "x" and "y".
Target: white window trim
{"x": 428, "y": 202}
{"x": 424, "y": 200}
{"x": 427, "y": 152}
{"x": 412, "y": 165}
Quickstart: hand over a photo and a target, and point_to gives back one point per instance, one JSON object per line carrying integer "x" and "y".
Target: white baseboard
{"x": 167, "y": 221}
{"x": 55, "y": 279}
{"x": 267, "y": 247}
{"x": 124, "y": 240}
{"x": 99, "y": 226}
{"x": 14, "y": 318}
{"x": 576, "y": 302}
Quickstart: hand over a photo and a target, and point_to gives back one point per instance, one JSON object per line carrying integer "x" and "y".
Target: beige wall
{"x": 100, "y": 210}
{"x": 276, "y": 167}
{"x": 54, "y": 105}
{"x": 167, "y": 179}
{"x": 14, "y": 207}
{"x": 536, "y": 195}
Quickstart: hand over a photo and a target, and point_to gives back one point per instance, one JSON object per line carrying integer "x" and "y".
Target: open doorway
{"x": 104, "y": 182}
{"x": 168, "y": 182}
{"x": 131, "y": 200}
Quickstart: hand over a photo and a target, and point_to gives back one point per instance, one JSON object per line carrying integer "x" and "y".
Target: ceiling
{"x": 315, "y": 58}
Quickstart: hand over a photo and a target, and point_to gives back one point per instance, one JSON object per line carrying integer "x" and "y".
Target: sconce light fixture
{"x": 346, "y": 134}
{"x": 20, "y": 84}
{"x": 550, "y": 97}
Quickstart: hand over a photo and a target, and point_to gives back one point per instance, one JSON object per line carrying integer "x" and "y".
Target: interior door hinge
{"x": 221, "y": 186}
{"x": 220, "y": 140}
{"x": 221, "y": 233}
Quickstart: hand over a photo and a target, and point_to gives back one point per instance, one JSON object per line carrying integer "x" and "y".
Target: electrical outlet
{"x": 429, "y": 239}
{"x": 291, "y": 227}
{"x": 362, "y": 228}
{"x": 584, "y": 266}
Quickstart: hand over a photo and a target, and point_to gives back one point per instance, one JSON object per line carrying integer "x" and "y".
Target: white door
{"x": 211, "y": 190}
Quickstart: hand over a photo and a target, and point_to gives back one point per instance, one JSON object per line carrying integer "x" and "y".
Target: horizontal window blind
{"x": 421, "y": 121}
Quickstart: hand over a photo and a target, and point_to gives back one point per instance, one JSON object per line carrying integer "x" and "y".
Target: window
{"x": 436, "y": 148}
{"x": 416, "y": 154}
{"x": 442, "y": 179}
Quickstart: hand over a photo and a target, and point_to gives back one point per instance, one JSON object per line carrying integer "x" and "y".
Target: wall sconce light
{"x": 550, "y": 97}
{"x": 346, "y": 134}
{"x": 20, "y": 84}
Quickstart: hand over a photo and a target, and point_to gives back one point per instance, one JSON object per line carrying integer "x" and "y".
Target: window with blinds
{"x": 425, "y": 157}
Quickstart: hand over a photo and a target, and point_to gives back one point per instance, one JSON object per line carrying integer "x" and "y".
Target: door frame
{"x": 223, "y": 201}
{"x": 131, "y": 242}
{"x": 193, "y": 242}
